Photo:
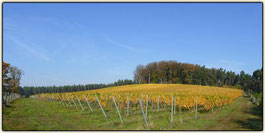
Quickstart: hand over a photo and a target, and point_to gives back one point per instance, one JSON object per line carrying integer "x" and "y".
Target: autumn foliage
{"x": 185, "y": 95}
{"x": 5, "y": 78}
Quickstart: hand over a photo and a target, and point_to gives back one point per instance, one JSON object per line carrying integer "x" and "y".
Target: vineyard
{"x": 131, "y": 99}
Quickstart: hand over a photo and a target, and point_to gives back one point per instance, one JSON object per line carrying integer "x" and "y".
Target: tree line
{"x": 173, "y": 72}
{"x": 31, "y": 90}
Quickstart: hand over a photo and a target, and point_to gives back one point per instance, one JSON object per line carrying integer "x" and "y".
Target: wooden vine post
{"x": 175, "y": 104}
{"x": 75, "y": 104}
{"x": 88, "y": 103}
{"x": 101, "y": 107}
{"x": 65, "y": 102}
{"x": 141, "y": 107}
{"x": 146, "y": 105}
{"x": 128, "y": 104}
{"x": 220, "y": 104}
{"x": 196, "y": 114}
{"x": 117, "y": 109}
{"x": 62, "y": 101}
{"x": 212, "y": 107}
{"x": 79, "y": 103}
{"x": 172, "y": 109}
{"x": 180, "y": 113}
{"x": 157, "y": 103}
{"x": 69, "y": 102}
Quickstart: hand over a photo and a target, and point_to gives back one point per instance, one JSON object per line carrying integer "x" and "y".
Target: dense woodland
{"x": 174, "y": 72}
{"x": 163, "y": 72}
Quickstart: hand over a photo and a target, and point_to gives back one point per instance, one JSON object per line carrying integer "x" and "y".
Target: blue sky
{"x": 83, "y": 43}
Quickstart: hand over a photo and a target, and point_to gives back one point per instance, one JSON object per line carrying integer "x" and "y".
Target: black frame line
{"x": 137, "y": 3}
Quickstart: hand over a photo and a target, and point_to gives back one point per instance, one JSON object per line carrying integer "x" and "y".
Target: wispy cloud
{"x": 85, "y": 59}
{"x": 9, "y": 27}
{"x": 31, "y": 50}
{"x": 68, "y": 25}
{"x": 121, "y": 45}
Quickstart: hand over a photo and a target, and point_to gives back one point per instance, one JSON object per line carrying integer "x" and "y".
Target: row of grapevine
{"x": 188, "y": 102}
{"x": 207, "y": 98}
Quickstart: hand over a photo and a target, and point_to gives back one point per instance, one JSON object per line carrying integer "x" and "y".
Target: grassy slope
{"x": 34, "y": 114}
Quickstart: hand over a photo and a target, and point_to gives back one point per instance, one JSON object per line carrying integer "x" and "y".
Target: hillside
{"x": 184, "y": 95}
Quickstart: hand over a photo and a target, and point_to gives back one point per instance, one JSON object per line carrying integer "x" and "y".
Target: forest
{"x": 174, "y": 72}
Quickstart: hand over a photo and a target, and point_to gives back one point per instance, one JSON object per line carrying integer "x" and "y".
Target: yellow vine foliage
{"x": 186, "y": 95}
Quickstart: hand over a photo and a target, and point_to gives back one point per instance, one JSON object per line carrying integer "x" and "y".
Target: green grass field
{"x": 36, "y": 114}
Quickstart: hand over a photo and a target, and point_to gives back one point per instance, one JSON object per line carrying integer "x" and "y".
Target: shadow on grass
{"x": 7, "y": 109}
{"x": 253, "y": 123}
{"x": 7, "y": 106}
